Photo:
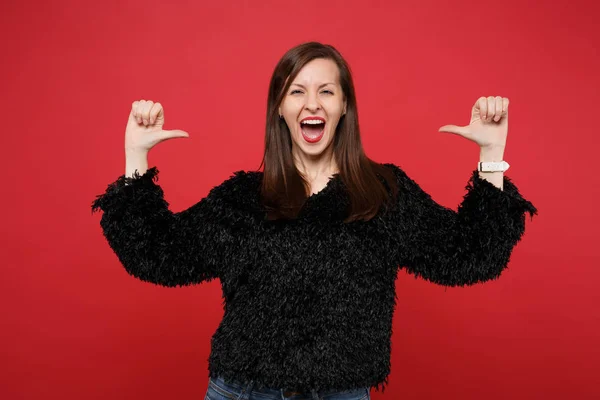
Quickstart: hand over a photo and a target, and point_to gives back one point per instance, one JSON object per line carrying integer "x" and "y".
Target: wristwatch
{"x": 492, "y": 166}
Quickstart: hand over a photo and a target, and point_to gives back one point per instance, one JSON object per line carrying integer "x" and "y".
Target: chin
{"x": 313, "y": 148}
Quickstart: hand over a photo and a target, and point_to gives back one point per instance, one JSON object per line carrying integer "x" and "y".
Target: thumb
{"x": 458, "y": 130}
{"x": 170, "y": 134}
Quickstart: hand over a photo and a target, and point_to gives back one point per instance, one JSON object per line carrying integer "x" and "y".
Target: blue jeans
{"x": 219, "y": 389}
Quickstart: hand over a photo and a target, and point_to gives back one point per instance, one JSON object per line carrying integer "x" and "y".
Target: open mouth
{"x": 312, "y": 130}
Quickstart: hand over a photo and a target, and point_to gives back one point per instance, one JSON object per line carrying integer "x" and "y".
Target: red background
{"x": 75, "y": 325}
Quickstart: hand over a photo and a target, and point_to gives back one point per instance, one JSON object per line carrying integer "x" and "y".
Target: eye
{"x": 299, "y": 91}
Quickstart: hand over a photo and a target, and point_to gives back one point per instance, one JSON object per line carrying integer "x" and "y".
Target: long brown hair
{"x": 283, "y": 190}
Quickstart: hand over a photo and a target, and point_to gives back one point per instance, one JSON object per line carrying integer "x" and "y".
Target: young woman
{"x": 307, "y": 250}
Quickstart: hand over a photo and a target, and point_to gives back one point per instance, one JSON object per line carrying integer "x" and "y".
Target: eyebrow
{"x": 325, "y": 84}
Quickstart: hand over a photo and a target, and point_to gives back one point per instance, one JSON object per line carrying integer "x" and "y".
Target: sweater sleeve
{"x": 154, "y": 244}
{"x": 458, "y": 248}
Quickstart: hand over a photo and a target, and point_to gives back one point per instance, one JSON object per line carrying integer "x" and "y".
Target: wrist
{"x": 136, "y": 153}
{"x": 495, "y": 153}
{"x": 135, "y": 160}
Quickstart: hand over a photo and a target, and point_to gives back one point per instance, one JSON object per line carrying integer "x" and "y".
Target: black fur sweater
{"x": 308, "y": 303}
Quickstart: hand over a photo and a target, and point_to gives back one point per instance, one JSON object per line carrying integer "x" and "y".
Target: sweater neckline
{"x": 328, "y": 204}
{"x": 330, "y": 182}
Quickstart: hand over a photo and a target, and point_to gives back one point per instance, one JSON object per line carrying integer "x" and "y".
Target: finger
{"x": 175, "y": 133}
{"x": 154, "y": 111}
{"x": 491, "y": 102}
{"x": 139, "y": 110}
{"x": 457, "y": 130}
{"x": 498, "y": 107}
{"x": 146, "y": 112}
{"x": 505, "y": 106}
{"x": 179, "y": 133}
{"x": 482, "y": 103}
{"x": 134, "y": 107}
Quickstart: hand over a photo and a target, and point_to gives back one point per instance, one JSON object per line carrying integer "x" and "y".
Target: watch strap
{"x": 492, "y": 166}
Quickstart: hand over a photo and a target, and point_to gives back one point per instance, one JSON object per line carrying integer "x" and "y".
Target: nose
{"x": 312, "y": 102}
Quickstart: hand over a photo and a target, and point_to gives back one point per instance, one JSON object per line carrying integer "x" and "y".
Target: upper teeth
{"x": 312, "y": 121}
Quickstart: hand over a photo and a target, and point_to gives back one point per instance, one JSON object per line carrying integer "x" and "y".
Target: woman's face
{"x": 315, "y": 94}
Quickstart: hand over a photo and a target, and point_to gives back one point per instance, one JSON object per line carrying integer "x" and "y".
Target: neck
{"x": 323, "y": 165}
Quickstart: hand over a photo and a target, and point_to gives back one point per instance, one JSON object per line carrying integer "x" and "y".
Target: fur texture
{"x": 308, "y": 303}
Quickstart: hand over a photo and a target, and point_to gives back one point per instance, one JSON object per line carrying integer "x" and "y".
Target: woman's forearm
{"x": 495, "y": 178}
{"x": 135, "y": 160}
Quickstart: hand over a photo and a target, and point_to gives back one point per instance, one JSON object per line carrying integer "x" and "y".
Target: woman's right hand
{"x": 145, "y": 127}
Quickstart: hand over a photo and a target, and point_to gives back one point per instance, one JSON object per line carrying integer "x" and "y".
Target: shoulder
{"x": 239, "y": 191}
{"x": 403, "y": 179}
{"x": 406, "y": 185}
{"x": 396, "y": 169}
{"x": 397, "y": 173}
{"x": 238, "y": 181}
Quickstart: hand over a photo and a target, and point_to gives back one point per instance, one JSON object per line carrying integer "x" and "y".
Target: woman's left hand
{"x": 489, "y": 123}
